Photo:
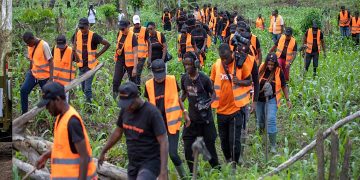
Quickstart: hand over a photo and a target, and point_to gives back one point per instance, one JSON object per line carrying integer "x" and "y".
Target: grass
{"x": 317, "y": 103}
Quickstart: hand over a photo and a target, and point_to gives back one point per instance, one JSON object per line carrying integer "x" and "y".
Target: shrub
{"x": 109, "y": 10}
{"x": 306, "y": 23}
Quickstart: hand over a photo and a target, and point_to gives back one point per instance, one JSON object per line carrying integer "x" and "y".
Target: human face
{"x": 31, "y": 42}
{"x": 159, "y": 80}
{"x": 288, "y": 37}
{"x": 151, "y": 29}
{"x": 124, "y": 30}
{"x": 137, "y": 25}
{"x": 53, "y": 106}
{"x": 270, "y": 65}
{"x": 62, "y": 49}
{"x": 189, "y": 66}
{"x": 226, "y": 57}
{"x": 84, "y": 30}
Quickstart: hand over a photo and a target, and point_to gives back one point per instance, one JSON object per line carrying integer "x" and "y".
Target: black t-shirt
{"x": 141, "y": 129}
{"x": 197, "y": 90}
{"x": 315, "y": 45}
{"x": 95, "y": 41}
{"x": 183, "y": 43}
{"x": 262, "y": 82}
{"x": 283, "y": 54}
{"x": 199, "y": 35}
{"x": 159, "y": 97}
{"x": 75, "y": 133}
{"x": 156, "y": 47}
{"x": 121, "y": 57}
{"x": 166, "y": 18}
{"x": 137, "y": 30}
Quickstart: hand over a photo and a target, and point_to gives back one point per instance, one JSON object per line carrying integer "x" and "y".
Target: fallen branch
{"x": 26, "y": 168}
{"x": 310, "y": 146}
{"x": 20, "y": 122}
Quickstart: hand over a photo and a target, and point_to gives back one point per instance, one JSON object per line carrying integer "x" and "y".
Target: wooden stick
{"x": 196, "y": 160}
{"x": 20, "y": 122}
{"x": 334, "y": 154}
{"x": 310, "y": 146}
{"x": 344, "y": 175}
{"x": 29, "y": 173}
{"x": 25, "y": 167}
{"x": 320, "y": 155}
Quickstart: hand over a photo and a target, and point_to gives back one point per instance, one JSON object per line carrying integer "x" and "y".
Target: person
{"x": 91, "y": 15}
{"x": 199, "y": 36}
{"x": 269, "y": 97}
{"x": 121, "y": 15}
{"x": 71, "y": 153}
{"x": 145, "y": 133}
{"x": 166, "y": 20}
{"x": 157, "y": 42}
{"x": 180, "y": 19}
{"x": 344, "y": 19}
{"x": 144, "y": 46}
{"x": 231, "y": 79}
{"x": 39, "y": 55}
{"x": 313, "y": 40}
{"x": 229, "y": 38}
{"x": 260, "y": 23}
{"x": 185, "y": 42}
{"x": 355, "y": 27}
{"x": 276, "y": 26}
{"x": 162, "y": 91}
{"x": 223, "y": 28}
{"x": 85, "y": 49}
{"x": 286, "y": 48}
{"x": 203, "y": 13}
{"x": 198, "y": 89}
{"x": 64, "y": 71}
{"x": 198, "y": 14}
{"x": 126, "y": 56}
{"x": 254, "y": 41}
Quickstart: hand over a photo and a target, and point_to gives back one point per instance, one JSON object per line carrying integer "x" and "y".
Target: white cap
{"x": 136, "y": 19}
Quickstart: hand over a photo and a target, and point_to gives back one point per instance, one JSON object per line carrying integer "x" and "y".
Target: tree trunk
{"x": 123, "y": 6}
{"x": 344, "y": 175}
{"x": 25, "y": 167}
{"x": 320, "y": 155}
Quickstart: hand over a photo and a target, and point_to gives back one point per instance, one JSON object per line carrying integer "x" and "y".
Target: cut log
{"x": 310, "y": 146}
{"x": 334, "y": 155}
{"x": 111, "y": 171}
{"x": 344, "y": 175}
{"x": 320, "y": 155}
{"x": 19, "y": 123}
{"x": 25, "y": 167}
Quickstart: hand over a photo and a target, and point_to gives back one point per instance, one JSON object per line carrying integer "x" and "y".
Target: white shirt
{"x": 281, "y": 22}
{"x": 121, "y": 16}
{"x": 91, "y": 17}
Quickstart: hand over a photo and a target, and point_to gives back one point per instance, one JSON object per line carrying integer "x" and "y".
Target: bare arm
{"x": 164, "y": 51}
{"x": 286, "y": 92}
{"x": 323, "y": 45}
{"x": 149, "y": 50}
{"x": 164, "y": 151}
{"x": 51, "y": 62}
{"x": 84, "y": 159}
{"x": 273, "y": 49}
{"x": 260, "y": 56}
{"x": 115, "y": 137}
{"x": 105, "y": 48}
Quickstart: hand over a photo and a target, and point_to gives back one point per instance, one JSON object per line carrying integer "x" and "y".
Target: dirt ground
{"x": 5, "y": 160}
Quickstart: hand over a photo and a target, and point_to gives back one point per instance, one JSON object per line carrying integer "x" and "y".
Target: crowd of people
{"x": 239, "y": 83}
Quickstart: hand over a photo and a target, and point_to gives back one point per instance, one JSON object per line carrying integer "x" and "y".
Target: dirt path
{"x": 5, "y": 160}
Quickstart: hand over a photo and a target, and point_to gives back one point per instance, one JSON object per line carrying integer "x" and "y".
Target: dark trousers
{"x": 208, "y": 132}
{"x": 86, "y": 85}
{"x": 229, "y": 127}
{"x": 139, "y": 68}
{"x": 120, "y": 69}
{"x": 28, "y": 85}
{"x": 143, "y": 174}
{"x": 315, "y": 57}
{"x": 173, "y": 148}
{"x": 356, "y": 38}
{"x": 167, "y": 27}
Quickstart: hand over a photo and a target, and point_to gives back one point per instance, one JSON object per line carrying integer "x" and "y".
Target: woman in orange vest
{"x": 185, "y": 42}
{"x": 162, "y": 91}
{"x": 272, "y": 82}
{"x": 260, "y": 23}
{"x": 39, "y": 55}
{"x": 344, "y": 19}
{"x": 276, "y": 26}
{"x": 158, "y": 43}
{"x": 71, "y": 154}
{"x": 355, "y": 27}
{"x": 166, "y": 20}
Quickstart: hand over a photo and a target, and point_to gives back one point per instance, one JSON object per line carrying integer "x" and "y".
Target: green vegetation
{"x": 318, "y": 103}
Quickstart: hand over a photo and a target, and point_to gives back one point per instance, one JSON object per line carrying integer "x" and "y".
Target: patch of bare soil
{"x": 5, "y": 160}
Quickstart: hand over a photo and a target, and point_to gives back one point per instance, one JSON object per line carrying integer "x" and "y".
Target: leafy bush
{"x": 35, "y": 16}
{"x": 137, "y": 3}
{"x": 109, "y": 10}
{"x": 306, "y": 23}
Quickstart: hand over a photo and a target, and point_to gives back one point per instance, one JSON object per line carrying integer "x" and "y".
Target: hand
{"x": 40, "y": 163}
{"x": 289, "y": 105}
{"x": 101, "y": 159}
{"x": 187, "y": 119}
{"x": 134, "y": 72}
{"x": 253, "y": 107}
{"x": 163, "y": 175}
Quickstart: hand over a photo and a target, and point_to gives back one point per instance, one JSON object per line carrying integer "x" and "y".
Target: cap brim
{"x": 159, "y": 75}
{"x": 43, "y": 103}
{"x": 136, "y": 22}
{"x": 125, "y": 103}
{"x": 61, "y": 46}
{"x": 82, "y": 25}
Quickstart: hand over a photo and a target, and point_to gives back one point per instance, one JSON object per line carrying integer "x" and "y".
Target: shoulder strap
{"x": 32, "y": 55}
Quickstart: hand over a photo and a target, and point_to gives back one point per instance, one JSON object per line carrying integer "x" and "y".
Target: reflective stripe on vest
{"x": 171, "y": 102}
{"x": 344, "y": 19}
{"x": 64, "y": 163}
{"x": 310, "y": 40}
{"x": 290, "y": 48}
{"x": 277, "y": 82}
{"x": 127, "y": 48}
{"x": 223, "y": 33}
{"x": 142, "y": 43}
{"x": 355, "y": 26}
{"x": 63, "y": 71}
{"x": 92, "y": 61}
{"x": 189, "y": 46}
{"x": 277, "y": 30}
{"x": 260, "y": 23}
{"x": 40, "y": 65}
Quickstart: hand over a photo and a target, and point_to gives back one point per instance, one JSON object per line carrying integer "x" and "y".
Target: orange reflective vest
{"x": 278, "y": 28}
{"x": 289, "y": 53}
{"x": 355, "y": 26}
{"x": 253, "y": 43}
{"x": 189, "y": 46}
{"x": 260, "y": 23}
{"x": 127, "y": 48}
{"x": 171, "y": 102}
{"x": 198, "y": 15}
{"x": 230, "y": 40}
{"x": 166, "y": 14}
{"x": 142, "y": 43}
{"x": 64, "y": 163}
{"x": 310, "y": 39}
{"x": 208, "y": 41}
{"x": 40, "y": 65}
{"x": 92, "y": 61}
{"x": 277, "y": 82}
{"x": 203, "y": 15}
{"x": 241, "y": 94}
{"x": 63, "y": 71}
{"x": 223, "y": 33}
{"x": 344, "y": 19}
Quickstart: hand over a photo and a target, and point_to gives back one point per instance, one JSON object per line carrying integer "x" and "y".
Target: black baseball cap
{"x": 50, "y": 91}
{"x": 61, "y": 41}
{"x": 128, "y": 92}
{"x": 83, "y": 22}
{"x": 272, "y": 57}
{"x": 158, "y": 68}
{"x": 123, "y": 24}
{"x": 288, "y": 31}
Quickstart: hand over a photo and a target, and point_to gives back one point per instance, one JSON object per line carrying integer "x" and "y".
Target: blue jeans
{"x": 271, "y": 115}
{"x": 87, "y": 84}
{"x": 345, "y": 31}
{"x": 28, "y": 85}
{"x": 173, "y": 148}
{"x": 275, "y": 37}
